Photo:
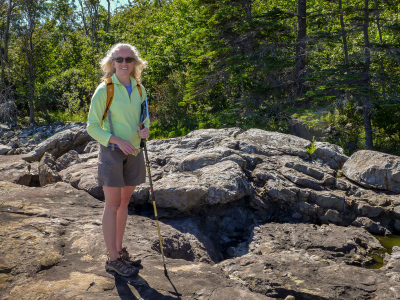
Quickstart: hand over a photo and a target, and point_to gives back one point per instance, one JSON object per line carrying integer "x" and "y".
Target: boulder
{"x": 310, "y": 262}
{"x": 329, "y": 242}
{"x": 92, "y": 146}
{"x": 374, "y": 169}
{"x": 84, "y": 177}
{"x": 4, "y": 149}
{"x": 197, "y": 160}
{"x": 371, "y": 226}
{"x": 330, "y": 154}
{"x": 392, "y": 263}
{"x": 16, "y": 170}
{"x": 48, "y": 170}
{"x": 272, "y": 143}
{"x": 215, "y": 184}
{"x": 59, "y": 143}
{"x": 68, "y": 159}
{"x": 329, "y": 200}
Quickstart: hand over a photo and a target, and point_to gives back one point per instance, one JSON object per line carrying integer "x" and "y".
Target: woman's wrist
{"x": 115, "y": 140}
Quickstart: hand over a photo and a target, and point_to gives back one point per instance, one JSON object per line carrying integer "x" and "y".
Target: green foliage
{"x": 339, "y": 174}
{"x": 312, "y": 147}
{"x": 215, "y": 64}
{"x": 64, "y": 116}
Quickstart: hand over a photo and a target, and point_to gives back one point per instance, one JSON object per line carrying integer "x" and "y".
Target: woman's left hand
{"x": 144, "y": 133}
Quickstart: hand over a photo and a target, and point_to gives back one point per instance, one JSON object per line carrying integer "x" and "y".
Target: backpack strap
{"x": 140, "y": 90}
{"x": 110, "y": 94}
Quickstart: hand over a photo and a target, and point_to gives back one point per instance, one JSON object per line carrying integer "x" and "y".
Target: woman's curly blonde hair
{"x": 109, "y": 70}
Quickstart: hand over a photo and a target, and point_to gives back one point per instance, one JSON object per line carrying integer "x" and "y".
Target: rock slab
{"x": 374, "y": 169}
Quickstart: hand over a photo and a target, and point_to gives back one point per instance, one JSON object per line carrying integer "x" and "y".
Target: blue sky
{"x": 114, "y": 3}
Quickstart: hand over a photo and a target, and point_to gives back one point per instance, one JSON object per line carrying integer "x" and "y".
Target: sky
{"x": 114, "y": 3}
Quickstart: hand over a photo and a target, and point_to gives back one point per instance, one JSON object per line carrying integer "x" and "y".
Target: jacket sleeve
{"x": 147, "y": 122}
{"x": 95, "y": 117}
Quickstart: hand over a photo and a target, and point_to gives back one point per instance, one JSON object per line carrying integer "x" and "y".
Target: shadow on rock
{"x": 124, "y": 287}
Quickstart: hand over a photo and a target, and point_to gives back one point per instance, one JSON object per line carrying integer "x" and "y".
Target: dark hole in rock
{"x": 34, "y": 181}
{"x": 161, "y": 161}
{"x": 211, "y": 235}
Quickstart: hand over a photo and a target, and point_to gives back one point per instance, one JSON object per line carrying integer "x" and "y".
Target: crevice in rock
{"x": 281, "y": 292}
{"x": 9, "y": 210}
{"x": 46, "y": 267}
{"x": 5, "y": 270}
{"x": 34, "y": 181}
{"x": 223, "y": 230}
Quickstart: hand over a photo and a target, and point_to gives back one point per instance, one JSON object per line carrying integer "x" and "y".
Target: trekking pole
{"x": 143, "y": 145}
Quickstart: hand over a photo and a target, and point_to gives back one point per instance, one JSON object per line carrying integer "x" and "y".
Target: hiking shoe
{"x": 121, "y": 268}
{"x": 124, "y": 255}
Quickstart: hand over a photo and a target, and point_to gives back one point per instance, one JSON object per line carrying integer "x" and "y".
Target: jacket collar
{"x": 116, "y": 81}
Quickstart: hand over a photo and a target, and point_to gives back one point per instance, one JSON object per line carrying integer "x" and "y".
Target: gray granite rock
{"x": 48, "y": 170}
{"x": 215, "y": 184}
{"x": 330, "y": 154}
{"x": 284, "y": 259}
{"x": 53, "y": 248}
{"x": 68, "y": 159}
{"x": 84, "y": 177}
{"x": 374, "y": 169}
{"x": 218, "y": 193}
{"x": 59, "y": 143}
{"x": 4, "y": 149}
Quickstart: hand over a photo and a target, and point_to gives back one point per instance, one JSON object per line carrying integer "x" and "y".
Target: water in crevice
{"x": 388, "y": 242}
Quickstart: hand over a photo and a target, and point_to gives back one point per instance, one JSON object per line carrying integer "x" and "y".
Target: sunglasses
{"x": 121, "y": 59}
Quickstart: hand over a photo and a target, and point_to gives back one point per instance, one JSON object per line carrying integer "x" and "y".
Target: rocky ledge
{"x": 244, "y": 215}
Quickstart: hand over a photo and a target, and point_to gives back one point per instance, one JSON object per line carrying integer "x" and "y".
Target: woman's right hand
{"x": 124, "y": 145}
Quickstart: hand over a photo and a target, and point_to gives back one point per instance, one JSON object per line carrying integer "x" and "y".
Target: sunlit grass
{"x": 65, "y": 116}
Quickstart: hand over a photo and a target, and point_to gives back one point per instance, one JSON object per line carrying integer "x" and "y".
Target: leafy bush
{"x": 70, "y": 90}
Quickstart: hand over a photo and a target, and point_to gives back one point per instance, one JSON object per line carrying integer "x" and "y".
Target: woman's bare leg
{"x": 112, "y": 204}
{"x": 122, "y": 214}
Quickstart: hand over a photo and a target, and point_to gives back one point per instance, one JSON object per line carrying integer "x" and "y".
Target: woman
{"x": 121, "y": 169}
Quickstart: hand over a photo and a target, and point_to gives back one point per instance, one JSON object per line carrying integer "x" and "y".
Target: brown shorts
{"x": 116, "y": 169}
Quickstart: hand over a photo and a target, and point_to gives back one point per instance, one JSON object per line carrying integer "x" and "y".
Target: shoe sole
{"x": 134, "y": 273}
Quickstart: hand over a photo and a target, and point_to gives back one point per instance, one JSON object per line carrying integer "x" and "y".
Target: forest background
{"x": 332, "y": 65}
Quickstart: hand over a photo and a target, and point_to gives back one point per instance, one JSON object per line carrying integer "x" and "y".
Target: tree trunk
{"x": 3, "y": 56}
{"x": 108, "y": 19}
{"x": 31, "y": 76}
{"x": 83, "y": 17}
{"x": 31, "y": 19}
{"x": 301, "y": 47}
{"x": 95, "y": 10}
{"x": 366, "y": 100}
{"x": 249, "y": 17}
{"x": 344, "y": 39}
{"x": 249, "y": 44}
{"x": 344, "y": 35}
{"x": 381, "y": 41}
{"x": 247, "y": 8}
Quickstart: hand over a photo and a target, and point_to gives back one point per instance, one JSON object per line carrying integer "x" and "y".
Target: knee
{"x": 125, "y": 202}
{"x": 112, "y": 208}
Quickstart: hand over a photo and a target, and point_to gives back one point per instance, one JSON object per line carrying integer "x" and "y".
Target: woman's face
{"x": 123, "y": 69}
